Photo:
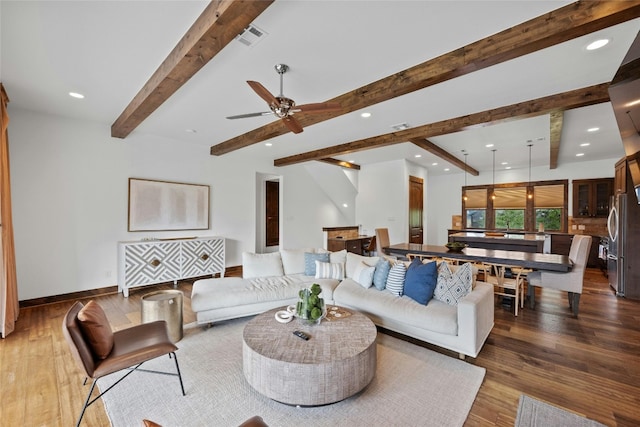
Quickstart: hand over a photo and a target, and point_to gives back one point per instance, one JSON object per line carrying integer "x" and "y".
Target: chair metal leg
{"x": 179, "y": 374}
{"x": 86, "y": 402}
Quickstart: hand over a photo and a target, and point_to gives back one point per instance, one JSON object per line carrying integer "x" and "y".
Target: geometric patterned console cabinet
{"x": 158, "y": 261}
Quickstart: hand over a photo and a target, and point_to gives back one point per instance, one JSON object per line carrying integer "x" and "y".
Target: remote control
{"x": 301, "y": 335}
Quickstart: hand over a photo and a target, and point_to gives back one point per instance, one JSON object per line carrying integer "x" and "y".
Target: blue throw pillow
{"x": 310, "y": 262}
{"x": 421, "y": 280}
{"x": 380, "y": 275}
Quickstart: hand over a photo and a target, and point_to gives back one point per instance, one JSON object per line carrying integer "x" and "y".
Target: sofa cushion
{"x": 381, "y": 273}
{"x": 96, "y": 329}
{"x": 338, "y": 256}
{"x": 353, "y": 260}
{"x": 453, "y": 286}
{"x": 364, "y": 274}
{"x": 436, "y": 316}
{"x": 420, "y": 280}
{"x": 395, "y": 280}
{"x": 329, "y": 270}
{"x": 310, "y": 259}
{"x": 261, "y": 265}
{"x": 293, "y": 260}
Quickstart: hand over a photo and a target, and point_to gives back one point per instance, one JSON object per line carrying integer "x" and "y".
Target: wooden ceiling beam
{"x": 220, "y": 22}
{"x": 555, "y": 131}
{"x": 563, "y": 101}
{"x": 569, "y": 22}
{"x": 341, "y": 163}
{"x": 432, "y": 148}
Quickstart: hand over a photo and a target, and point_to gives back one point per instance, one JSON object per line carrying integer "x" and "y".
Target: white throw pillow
{"x": 329, "y": 270}
{"x": 353, "y": 260}
{"x": 363, "y": 274}
{"x": 339, "y": 256}
{"x": 261, "y": 265}
{"x": 453, "y": 286}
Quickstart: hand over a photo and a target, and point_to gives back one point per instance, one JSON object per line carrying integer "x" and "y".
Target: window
{"x": 475, "y": 207}
{"x": 508, "y": 208}
{"x": 549, "y": 201}
{"x": 512, "y": 209}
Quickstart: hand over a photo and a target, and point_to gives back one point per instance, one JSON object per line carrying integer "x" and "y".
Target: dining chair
{"x": 370, "y": 247}
{"x": 98, "y": 351}
{"x": 382, "y": 240}
{"x": 507, "y": 281}
{"x": 570, "y": 282}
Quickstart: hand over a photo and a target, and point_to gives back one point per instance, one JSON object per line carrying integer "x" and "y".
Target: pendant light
{"x": 493, "y": 189}
{"x": 529, "y": 190}
{"x": 464, "y": 191}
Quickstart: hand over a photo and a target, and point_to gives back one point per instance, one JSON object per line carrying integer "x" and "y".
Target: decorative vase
{"x": 310, "y": 308}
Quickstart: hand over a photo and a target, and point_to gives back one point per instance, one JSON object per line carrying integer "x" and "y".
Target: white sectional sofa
{"x": 273, "y": 280}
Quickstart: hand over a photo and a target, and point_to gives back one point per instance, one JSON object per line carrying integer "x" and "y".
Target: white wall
{"x": 445, "y": 197}
{"x": 70, "y": 189}
{"x": 383, "y": 197}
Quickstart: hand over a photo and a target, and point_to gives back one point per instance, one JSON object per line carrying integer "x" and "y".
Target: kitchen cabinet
{"x": 620, "y": 177}
{"x": 591, "y": 197}
{"x": 355, "y": 245}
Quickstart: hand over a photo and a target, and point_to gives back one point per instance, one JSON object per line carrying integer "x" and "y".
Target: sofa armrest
{"x": 475, "y": 317}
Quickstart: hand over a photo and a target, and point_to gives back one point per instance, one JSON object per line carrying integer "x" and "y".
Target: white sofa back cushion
{"x": 353, "y": 260}
{"x": 261, "y": 265}
{"x": 293, "y": 260}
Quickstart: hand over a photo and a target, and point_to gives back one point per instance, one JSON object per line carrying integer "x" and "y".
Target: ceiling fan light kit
{"x": 283, "y": 107}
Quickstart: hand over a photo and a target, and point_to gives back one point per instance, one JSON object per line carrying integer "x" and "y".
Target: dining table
{"x": 535, "y": 261}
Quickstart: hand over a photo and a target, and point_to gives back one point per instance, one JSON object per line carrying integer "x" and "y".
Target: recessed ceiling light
{"x": 579, "y": 154}
{"x": 508, "y": 167}
{"x": 365, "y": 115}
{"x": 595, "y": 129}
{"x": 434, "y": 164}
{"x": 76, "y": 95}
{"x": 489, "y": 145}
{"x": 268, "y": 144}
{"x": 417, "y": 156}
{"x": 447, "y": 169}
{"x": 351, "y": 161}
{"x": 597, "y": 44}
{"x": 191, "y": 131}
{"x": 632, "y": 103}
{"x": 504, "y": 163}
{"x": 344, "y": 205}
{"x": 585, "y": 144}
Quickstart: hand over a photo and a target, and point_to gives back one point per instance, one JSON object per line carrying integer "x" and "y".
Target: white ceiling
{"x": 107, "y": 50}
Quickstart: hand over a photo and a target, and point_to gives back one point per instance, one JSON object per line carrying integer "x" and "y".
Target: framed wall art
{"x": 164, "y": 206}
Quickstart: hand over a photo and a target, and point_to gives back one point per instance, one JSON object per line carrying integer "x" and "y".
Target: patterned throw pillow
{"x": 395, "y": 280}
{"x": 452, "y": 287}
{"x": 364, "y": 274}
{"x": 381, "y": 273}
{"x": 329, "y": 270}
{"x": 310, "y": 262}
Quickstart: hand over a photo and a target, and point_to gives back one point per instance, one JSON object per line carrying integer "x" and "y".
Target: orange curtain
{"x": 9, "y": 305}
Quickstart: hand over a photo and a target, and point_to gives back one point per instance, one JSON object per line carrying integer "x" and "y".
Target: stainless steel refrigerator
{"x": 623, "y": 258}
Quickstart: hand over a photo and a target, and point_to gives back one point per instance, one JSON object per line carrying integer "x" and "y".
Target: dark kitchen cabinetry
{"x": 355, "y": 245}
{"x": 620, "y": 177}
{"x": 591, "y": 197}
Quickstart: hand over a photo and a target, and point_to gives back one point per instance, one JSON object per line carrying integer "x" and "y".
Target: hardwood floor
{"x": 589, "y": 365}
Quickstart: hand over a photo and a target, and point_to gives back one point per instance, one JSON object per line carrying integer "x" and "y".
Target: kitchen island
{"x": 528, "y": 242}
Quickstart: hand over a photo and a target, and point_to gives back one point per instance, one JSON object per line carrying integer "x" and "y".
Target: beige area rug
{"x": 413, "y": 386}
{"x": 535, "y": 413}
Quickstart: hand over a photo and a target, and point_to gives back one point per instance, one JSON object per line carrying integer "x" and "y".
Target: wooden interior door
{"x": 272, "y": 225}
{"x": 415, "y": 209}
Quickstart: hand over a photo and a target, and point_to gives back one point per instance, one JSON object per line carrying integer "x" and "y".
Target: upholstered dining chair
{"x": 382, "y": 240}
{"x": 571, "y": 281}
{"x": 99, "y": 351}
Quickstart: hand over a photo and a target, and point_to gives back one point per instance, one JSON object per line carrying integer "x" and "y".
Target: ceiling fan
{"x": 284, "y": 107}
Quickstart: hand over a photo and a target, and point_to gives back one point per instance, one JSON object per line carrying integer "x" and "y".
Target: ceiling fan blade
{"x": 263, "y": 92}
{"x": 319, "y": 107}
{"x": 244, "y": 116}
{"x": 292, "y": 124}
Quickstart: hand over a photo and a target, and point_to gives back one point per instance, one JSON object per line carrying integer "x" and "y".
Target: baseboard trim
{"x": 233, "y": 271}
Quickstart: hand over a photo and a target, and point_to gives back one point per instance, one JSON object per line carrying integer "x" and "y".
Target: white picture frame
{"x": 165, "y": 205}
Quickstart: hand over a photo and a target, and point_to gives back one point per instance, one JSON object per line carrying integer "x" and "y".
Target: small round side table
{"x": 164, "y": 305}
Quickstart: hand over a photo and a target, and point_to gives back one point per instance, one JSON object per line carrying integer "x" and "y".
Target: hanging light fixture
{"x": 493, "y": 189}
{"x": 529, "y": 189}
{"x": 464, "y": 191}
